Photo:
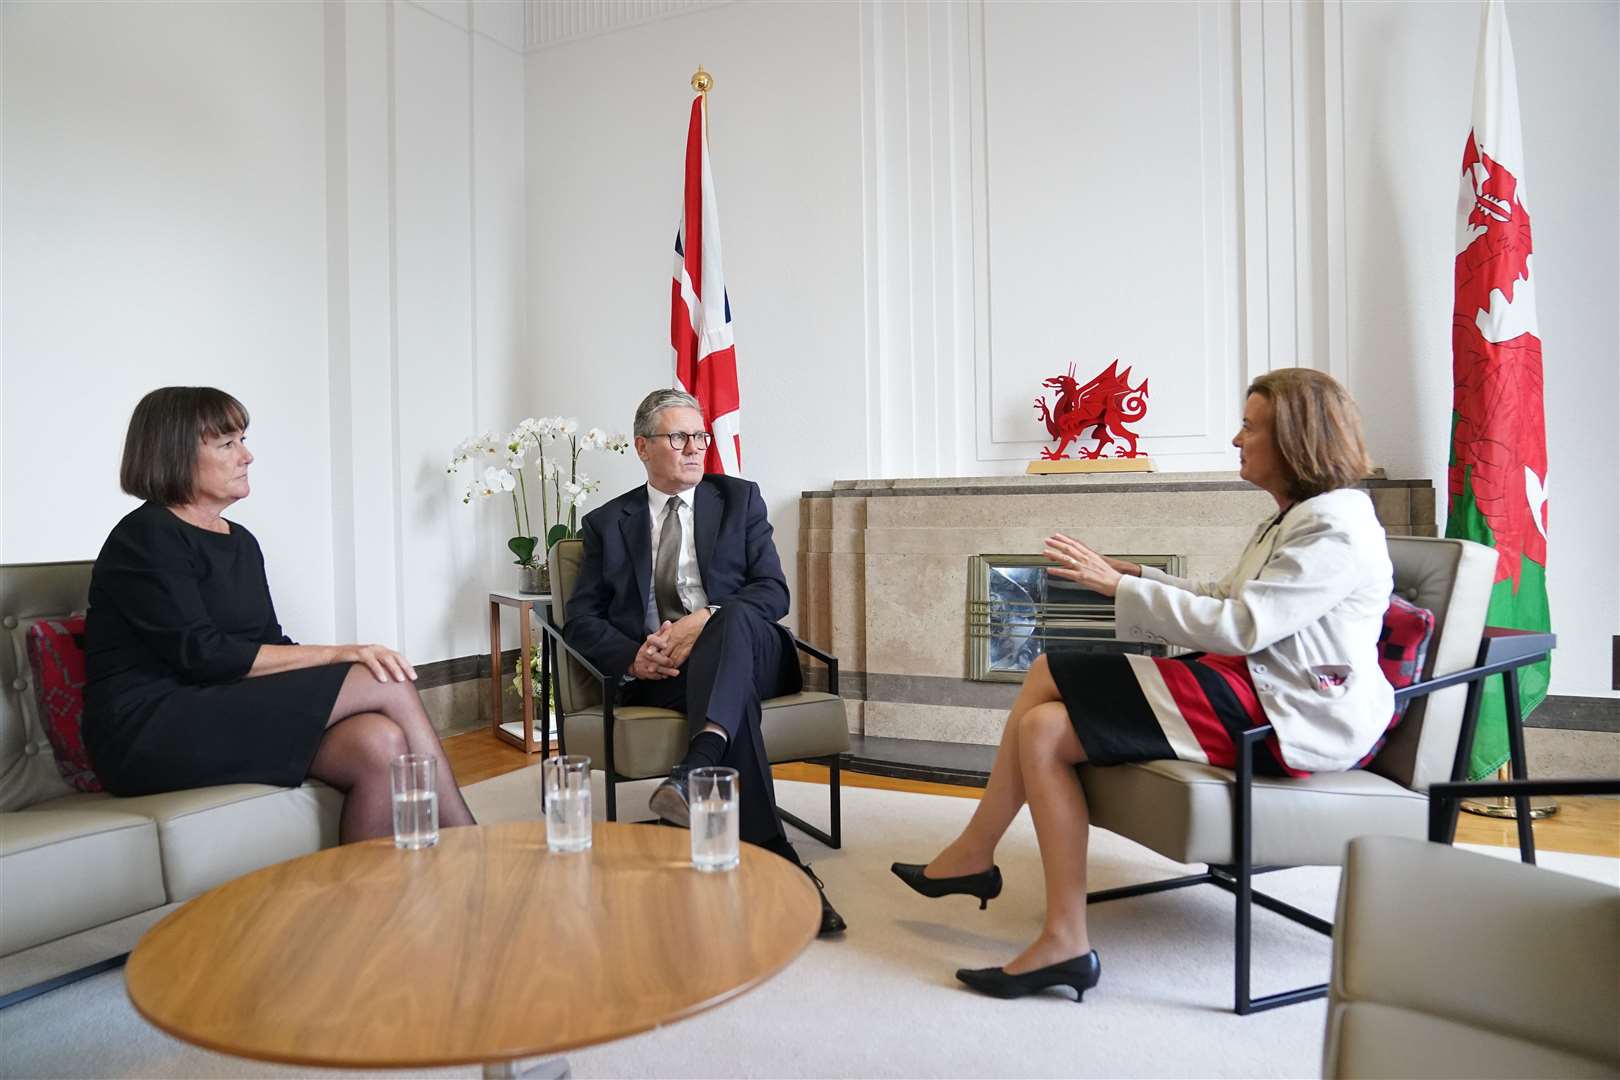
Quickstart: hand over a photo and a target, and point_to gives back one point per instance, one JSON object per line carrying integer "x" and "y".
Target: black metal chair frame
{"x": 832, "y": 837}
{"x": 1501, "y": 652}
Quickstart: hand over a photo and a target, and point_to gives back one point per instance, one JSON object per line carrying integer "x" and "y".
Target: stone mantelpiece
{"x": 883, "y": 570}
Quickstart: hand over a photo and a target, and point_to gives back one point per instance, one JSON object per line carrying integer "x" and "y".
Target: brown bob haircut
{"x": 1317, "y": 429}
{"x": 160, "y": 450}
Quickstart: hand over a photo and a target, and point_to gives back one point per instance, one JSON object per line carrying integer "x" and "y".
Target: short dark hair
{"x": 160, "y": 449}
{"x": 1317, "y": 429}
{"x": 646, "y": 422}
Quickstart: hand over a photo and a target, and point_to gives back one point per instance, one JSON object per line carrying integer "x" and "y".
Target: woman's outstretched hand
{"x": 383, "y": 662}
{"x": 1083, "y": 566}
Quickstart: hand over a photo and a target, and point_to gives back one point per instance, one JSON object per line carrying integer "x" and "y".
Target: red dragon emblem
{"x": 1497, "y": 442}
{"x": 1102, "y": 406}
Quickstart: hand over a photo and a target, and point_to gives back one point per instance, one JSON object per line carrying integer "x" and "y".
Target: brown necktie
{"x": 668, "y": 597}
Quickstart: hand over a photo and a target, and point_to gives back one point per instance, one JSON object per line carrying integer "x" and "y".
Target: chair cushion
{"x": 72, "y": 868}
{"x": 647, "y": 741}
{"x": 207, "y": 836}
{"x": 804, "y": 725}
{"x": 56, "y": 658}
{"x": 1527, "y": 953}
{"x": 1183, "y": 810}
{"x": 1368, "y": 1040}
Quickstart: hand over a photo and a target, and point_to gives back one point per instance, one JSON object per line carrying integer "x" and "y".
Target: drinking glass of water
{"x": 416, "y": 801}
{"x": 715, "y": 830}
{"x": 565, "y": 794}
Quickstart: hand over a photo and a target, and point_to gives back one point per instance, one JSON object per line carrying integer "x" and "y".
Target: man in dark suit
{"x": 679, "y": 592}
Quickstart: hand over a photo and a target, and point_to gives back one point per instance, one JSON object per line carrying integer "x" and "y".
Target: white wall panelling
{"x": 556, "y": 22}
{"x": 1109, "y": 184}
{"x": 916, "y": 118}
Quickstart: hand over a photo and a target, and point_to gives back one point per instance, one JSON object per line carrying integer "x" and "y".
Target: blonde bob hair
{"x": 1317, "y": 429}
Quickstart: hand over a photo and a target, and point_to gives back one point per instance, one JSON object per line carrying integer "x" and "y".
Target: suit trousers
{"x": 736, "y": 663}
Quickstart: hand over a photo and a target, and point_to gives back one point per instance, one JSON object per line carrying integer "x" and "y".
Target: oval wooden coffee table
{"x": 487, "y": 948}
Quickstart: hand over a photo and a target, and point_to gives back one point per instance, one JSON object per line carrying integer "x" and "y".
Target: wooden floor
{"x": 1584, "y": 826}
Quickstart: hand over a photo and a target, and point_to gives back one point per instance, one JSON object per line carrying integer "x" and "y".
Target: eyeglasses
{"x": 700, "y": 439}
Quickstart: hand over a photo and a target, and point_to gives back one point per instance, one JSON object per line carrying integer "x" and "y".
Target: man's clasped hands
{"x": 666, "y": 649}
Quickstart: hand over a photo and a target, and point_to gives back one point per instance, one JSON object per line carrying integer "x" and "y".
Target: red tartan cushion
{"x": 56, "y": 653}
{"x": 1402, "y": 648}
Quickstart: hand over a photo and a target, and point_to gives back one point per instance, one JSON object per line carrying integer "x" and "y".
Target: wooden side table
{"x": 520, "y": 735}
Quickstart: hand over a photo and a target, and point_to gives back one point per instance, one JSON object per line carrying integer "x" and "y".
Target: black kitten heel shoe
{"x": 986, "y": 885}
{"x": 1079, "y": 975}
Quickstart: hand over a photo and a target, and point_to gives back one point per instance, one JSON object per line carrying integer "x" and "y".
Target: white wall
{"x": 165, "y": 223}
{"x": 1206, "y": 190}
{"x": 385, "y": 227}
{"x": 317, "y": 207}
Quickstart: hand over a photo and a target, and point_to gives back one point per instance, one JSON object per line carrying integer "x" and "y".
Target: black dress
{"x": 177, "y": 615}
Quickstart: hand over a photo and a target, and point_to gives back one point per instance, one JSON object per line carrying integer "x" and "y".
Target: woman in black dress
{"x": 191, "y": 681}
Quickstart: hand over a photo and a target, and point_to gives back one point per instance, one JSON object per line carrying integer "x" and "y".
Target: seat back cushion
{"x": 576, "y": 690}
{"x": 28, "y": 592}
{"x": 1452, "y": 579}
{"x": 56, "y": 661}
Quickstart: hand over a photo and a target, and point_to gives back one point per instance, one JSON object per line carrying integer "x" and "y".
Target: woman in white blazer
{"x": 1289, "y": 637}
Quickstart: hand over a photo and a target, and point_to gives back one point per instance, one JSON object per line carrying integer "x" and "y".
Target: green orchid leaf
{"x": 523, "y": 547}
{"x": 558, "y": 532}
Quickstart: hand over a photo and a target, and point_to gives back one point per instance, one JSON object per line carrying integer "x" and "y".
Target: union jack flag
{"x": 699, "y": 327}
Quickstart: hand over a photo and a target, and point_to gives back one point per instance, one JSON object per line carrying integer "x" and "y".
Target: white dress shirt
{"x": 688, "y": 580}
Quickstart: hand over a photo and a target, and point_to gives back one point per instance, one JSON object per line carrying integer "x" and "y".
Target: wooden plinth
{"x": 1091, "y": 465}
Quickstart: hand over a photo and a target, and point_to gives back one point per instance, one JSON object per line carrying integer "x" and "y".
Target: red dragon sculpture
{"x": 1102, "y": 406}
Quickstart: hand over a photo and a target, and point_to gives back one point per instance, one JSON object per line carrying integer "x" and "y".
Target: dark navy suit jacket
{"x": 607, "y": 613}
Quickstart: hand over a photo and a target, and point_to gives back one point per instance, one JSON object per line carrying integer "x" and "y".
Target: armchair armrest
{"x": 826, "y": 658}
{"x": 555, "y": 632}
{"x": 1499, "y": 651}
{"x": 1443, "y": 796}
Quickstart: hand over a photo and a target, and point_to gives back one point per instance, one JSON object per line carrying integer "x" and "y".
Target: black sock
{"x": 707, "y": 748}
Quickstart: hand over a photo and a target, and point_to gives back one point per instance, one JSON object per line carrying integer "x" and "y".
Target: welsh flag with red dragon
{"x": 1498, "y": 476}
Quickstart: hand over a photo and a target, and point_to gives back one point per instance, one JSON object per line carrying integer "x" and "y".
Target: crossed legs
{"x": 1035, "y": 764}
{"x": 371, "y": 724}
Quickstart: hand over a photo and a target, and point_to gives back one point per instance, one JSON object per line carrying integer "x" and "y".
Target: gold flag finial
{"x": 702, "y": 82}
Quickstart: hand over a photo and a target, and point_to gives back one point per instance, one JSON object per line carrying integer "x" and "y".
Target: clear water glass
{"x": 413, "y": 779}
{"x": 716, "y": 831}
{"x": 565, "y": 797}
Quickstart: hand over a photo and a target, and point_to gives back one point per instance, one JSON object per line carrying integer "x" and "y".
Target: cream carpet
{"x": 882, "y": 1001}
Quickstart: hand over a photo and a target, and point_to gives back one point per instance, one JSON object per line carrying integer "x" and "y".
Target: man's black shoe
{"x": 670, "y": 801}
{"x": 831, "y": 921}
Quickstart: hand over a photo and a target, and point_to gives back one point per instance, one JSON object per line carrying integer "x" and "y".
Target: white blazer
{"x": 1305, "y": 604}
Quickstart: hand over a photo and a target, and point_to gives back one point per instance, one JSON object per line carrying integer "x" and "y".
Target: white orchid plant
{"x": 563, "y": 493}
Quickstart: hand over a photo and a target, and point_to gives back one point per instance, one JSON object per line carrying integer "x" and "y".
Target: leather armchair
{"x": 1241, "y": 825}
{"x": 1451, "y": 963}
{"x": 633, "y": 742}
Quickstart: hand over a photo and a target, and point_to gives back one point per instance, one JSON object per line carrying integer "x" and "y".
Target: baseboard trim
{"x": 1571, "y": 713}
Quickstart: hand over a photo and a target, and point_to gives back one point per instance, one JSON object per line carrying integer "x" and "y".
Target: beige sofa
{"x": 83, "y": 875}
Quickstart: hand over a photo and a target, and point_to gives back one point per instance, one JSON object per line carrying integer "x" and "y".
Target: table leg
{"x": 495, "y": 668}
{"x": 525, "y": 612}
{"x": 545, "y": 1069}
{"x": 547, "y": 659}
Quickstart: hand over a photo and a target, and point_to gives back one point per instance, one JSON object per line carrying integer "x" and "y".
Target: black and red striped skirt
{"x": 1126, "y": 707}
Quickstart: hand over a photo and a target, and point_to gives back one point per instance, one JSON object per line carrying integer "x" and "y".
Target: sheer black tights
{"x": 371, "y": 724}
